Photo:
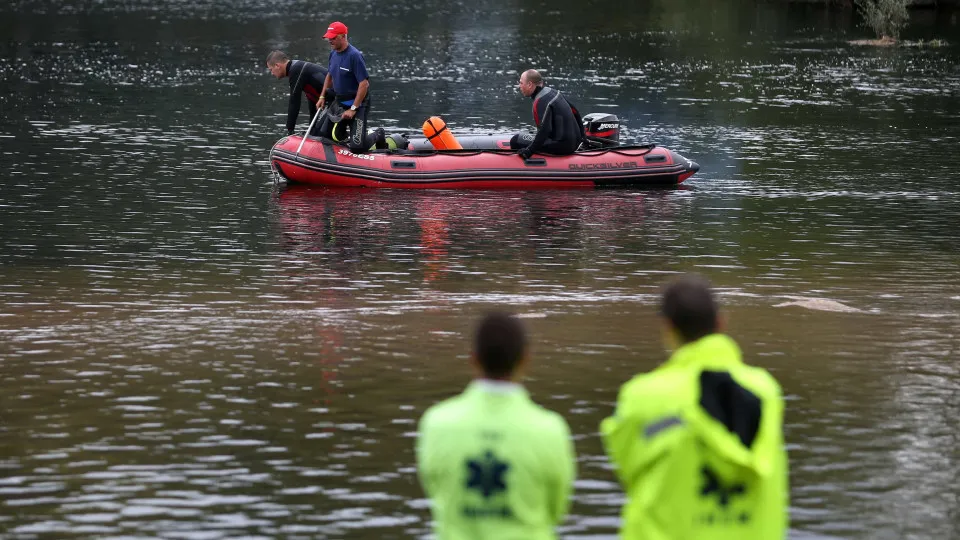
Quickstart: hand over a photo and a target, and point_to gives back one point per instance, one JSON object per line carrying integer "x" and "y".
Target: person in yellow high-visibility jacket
{"x": 697, "y": 443}
{"x": 494, "y": 464}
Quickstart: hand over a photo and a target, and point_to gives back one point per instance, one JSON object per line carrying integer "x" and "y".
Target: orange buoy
{"x": 435, "y": 130}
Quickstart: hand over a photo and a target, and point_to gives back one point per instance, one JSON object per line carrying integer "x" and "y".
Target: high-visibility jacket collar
{"x": 715, "y": 351}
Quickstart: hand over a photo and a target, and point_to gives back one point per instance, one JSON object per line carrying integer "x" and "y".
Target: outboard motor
{"x": 602, "y": 129}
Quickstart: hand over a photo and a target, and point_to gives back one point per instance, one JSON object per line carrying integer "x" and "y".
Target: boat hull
{"x": 321, "y": 163}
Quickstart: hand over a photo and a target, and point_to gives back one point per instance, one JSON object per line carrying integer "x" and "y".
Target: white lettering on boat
{"x": 348, "y": 153}
{"x": 617, "y": 165}
{"x": 609, "y": 126}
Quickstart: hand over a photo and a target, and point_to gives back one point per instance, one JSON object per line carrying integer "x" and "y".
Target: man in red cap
{"x": 348, "y": 77}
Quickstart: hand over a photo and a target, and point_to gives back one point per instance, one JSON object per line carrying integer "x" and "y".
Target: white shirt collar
{"x": 502, "y": 387}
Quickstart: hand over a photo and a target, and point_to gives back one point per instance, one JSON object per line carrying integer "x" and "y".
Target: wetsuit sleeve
{"x": 546, "y": 127}
{"x": 293, "y": 109}
{"x": 565, "y": 470}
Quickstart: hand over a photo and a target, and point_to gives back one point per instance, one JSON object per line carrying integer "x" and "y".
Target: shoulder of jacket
{"x": 440, "y": 412}
{"x": 763, "y": 381}
{"x": 658, "y": 377}
{"x": 662, "y": 383}
{"x": 553, "y": 419}
{"x": 542, "y": 423}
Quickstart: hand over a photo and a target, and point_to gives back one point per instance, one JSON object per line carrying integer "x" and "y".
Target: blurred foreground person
{"x": 494, "y": 463}
{"x": 697, "y": 443}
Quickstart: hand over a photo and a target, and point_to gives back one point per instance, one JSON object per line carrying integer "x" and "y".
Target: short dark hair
{"x": 500, "y": 344}
{"x": 277, "y": 57}
{"x": 689, "y": 306}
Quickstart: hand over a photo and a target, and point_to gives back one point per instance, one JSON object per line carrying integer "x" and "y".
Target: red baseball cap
{"x": 335, "y": 29}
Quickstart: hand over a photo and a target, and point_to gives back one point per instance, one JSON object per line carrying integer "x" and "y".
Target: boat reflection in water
{"x": 358, "y": 232}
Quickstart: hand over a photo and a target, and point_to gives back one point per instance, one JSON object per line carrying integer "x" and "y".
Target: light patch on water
{"x": 819, "y": 304}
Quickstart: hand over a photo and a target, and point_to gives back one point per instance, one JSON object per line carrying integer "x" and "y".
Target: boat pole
{"x": 310, "y": 128}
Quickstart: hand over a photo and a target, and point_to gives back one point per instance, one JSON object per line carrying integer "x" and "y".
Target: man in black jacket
{"x": 305, "y": 78}
{"x": 559, "y": 126}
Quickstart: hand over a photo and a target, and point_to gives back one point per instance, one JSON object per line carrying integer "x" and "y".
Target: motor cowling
{"x": 602, "y": 129}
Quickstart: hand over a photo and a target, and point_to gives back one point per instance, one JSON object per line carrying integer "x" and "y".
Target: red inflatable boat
{"x": 484, "y": 162}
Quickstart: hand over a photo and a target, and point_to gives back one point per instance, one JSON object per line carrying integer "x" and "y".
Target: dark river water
{"x": 187, "y": 350}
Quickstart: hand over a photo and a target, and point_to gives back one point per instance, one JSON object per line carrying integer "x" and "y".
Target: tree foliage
{"x": 885, "y": 17}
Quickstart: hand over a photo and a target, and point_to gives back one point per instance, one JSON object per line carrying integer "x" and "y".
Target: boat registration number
{"x": 343, "y": 152}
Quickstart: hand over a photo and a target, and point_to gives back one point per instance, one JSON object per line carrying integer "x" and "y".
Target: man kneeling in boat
{"x": 559, "y": 126}
{"x": 333, "y": 125}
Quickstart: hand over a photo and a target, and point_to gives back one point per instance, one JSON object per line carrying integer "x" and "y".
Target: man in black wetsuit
{"x": 305, "y": 78}
{"x": 559, "y": 126}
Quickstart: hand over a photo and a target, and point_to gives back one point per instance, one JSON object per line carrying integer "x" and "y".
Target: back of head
{"x": 533, "y": 76}
{"x": 500, "y": 344}
{"x": 689, "y": 306}
{"x": 277, "y": 57}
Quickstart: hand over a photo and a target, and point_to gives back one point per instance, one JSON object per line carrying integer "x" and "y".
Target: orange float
{"x": 435, "y": 130}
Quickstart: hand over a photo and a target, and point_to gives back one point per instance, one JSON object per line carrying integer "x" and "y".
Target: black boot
{"x": 377, "y": 140}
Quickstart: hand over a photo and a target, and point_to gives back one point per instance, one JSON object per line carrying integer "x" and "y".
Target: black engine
{"x": 602, "y": 129}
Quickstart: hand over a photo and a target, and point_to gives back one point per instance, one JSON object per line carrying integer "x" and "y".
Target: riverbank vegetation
{"x": 885, "y": 17}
